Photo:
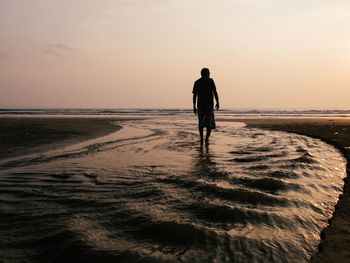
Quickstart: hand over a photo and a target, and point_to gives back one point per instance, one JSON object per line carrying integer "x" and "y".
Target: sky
{"x": 266, "y": 54}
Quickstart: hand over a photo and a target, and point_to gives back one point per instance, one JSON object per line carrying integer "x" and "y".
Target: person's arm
{"x": 217, "y": 106}
{"x": 216, "y": 96}
{"x": 195, "y": 92}
{"x": 194, "y": 103}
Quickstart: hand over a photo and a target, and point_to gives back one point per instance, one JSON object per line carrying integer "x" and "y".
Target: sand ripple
{"x": 151, "y": 193}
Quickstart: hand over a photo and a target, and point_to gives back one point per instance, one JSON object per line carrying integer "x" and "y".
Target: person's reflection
{"x": 204, "y": 165}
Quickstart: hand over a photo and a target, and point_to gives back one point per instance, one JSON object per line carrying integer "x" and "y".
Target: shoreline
{"x": 26, "y": 135}
{"x": 335, "y": 238}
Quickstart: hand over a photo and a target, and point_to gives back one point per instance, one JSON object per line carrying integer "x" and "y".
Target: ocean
{"x": 151, "y": 193}
{"x": 178, "y": 112}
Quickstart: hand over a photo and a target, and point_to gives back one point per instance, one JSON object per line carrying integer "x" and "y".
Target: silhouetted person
{"x": 204, "y": 91}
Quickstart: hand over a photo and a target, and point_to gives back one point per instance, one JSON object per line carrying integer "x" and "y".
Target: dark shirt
{"x": 204, "y": 88}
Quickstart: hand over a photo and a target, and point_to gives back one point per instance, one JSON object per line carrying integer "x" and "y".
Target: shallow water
{"x": 151, "y": 193}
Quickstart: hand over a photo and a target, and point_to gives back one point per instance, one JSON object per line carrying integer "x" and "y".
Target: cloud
{"x": 60, "y": 50}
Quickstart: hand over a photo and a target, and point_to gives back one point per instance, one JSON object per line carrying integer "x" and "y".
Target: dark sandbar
{"x": 23, "y": 135}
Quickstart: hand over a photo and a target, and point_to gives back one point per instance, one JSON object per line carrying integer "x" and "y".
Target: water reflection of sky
{"x": 151, "y": 192}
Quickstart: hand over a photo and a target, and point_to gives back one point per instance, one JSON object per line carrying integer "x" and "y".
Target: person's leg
{"x": 200, "y": 123}
{"x": 201, "y": 132}
{"x": 208, "y": 135}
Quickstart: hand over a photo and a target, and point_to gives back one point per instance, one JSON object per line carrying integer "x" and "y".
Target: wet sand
{"x": 25, "y": 135}
{"x": 335, "y": 244}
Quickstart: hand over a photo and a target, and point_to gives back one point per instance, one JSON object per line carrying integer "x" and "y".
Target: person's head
{"x": 205, "y": 73}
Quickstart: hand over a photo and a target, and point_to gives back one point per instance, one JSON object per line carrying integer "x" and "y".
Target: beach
{"x": 335, "y": 244}
{"x": 23, "y": 136}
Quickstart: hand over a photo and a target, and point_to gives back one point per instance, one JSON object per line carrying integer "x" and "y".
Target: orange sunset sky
{"x": 147, "y": 53}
